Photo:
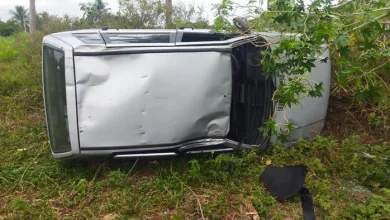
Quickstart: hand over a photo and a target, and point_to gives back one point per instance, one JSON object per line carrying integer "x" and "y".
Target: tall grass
{"x": 7, "y": 49}
{"x": 33, "y": 185}
{"x": 20, "y": 79}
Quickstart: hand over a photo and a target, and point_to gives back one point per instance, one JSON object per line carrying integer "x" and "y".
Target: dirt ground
{"x": 343, "y": 121}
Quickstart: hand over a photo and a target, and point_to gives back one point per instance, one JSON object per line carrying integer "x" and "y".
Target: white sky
{"x": 71, "y": 7}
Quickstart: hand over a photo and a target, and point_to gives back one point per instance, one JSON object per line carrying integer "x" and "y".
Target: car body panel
{"x": 171, "y": 97}
{"x": 152, "y": 98}
{"x": 70, "y": 94}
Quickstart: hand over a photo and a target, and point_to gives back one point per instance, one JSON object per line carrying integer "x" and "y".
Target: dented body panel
{"x": 152, "y": 98}
{"x": 167, "y": 95}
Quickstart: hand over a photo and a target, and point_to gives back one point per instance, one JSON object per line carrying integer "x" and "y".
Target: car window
{"x": 204, "y": 37}
{"x": 89, "y": 38}
{"x": 119, "y": 38}
{"x": 55, "y": 98}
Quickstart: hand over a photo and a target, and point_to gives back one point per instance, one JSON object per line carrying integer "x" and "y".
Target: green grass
{"x": 33, "y": 185}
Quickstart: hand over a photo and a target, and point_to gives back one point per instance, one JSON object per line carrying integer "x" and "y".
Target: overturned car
{"x": 146, "y": 93}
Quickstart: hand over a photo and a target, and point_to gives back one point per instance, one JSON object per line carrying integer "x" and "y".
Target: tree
{"x": 33, "y": 17}
{"x": 189, "y": 15}
{"x": 169, "y": 11}
{"x": 353, "y": 31}
{"x": 20, "y": 15}
{"x": 142, "y": 13}
{"x": 42, "y": 19}
{"x": 93, "y": 11}
{"x": 8, "y": 28}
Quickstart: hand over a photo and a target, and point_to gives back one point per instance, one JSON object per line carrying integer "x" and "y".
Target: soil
{"x": 343, "y": 121}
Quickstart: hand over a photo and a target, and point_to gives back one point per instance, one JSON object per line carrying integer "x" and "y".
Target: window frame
{"x": 172, "y": 38}
{"x": 49, "y": 118}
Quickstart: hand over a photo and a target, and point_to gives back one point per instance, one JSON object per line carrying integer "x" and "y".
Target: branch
{"x": 368, "y": 22}
{"x": 196, "y": 196}
{"x": 131, "y": 168}
{"x": 360, "y": 13}
{"x": 342, "y": 4}
{"x": 369, "y": 156}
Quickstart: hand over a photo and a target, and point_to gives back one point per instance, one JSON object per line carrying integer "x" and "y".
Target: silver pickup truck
{"x": 147, "y": 93}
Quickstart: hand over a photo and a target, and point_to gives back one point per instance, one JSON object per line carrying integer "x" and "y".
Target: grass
{"x": 33, "y": 185}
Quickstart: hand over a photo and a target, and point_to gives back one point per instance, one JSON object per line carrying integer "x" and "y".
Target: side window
{"x": 130, "y": 38}
{"x": 204, "y": 37}
{"x": 89, "y": 38}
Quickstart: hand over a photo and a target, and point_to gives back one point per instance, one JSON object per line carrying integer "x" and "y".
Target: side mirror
{"x": 242, "y": 24}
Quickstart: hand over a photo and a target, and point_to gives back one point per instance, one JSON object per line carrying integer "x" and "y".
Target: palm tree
{"x": 93, "y": 10}
{"x": 33, "y": 17}
{"x": 168, "y": 19}
{"x": 20, "y": 15}
{"x": 100, "y": 5}
{"x": 100, "y": 8}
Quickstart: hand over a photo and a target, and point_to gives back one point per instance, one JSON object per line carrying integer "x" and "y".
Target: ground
{"x": 343, "y": 121}
{"x": 33, "y": 185}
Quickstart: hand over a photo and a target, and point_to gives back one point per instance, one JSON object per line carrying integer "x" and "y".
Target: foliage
{"x": 355, "y": 33}
{"x": 7, "y": 50}
{"x": 93, "y": 11}
{"x": 142, "y": 13}
{"x": 132, "y": 14}
{"x": 33, "y": 185}
{"x": 8, "y": 28}
{"x": 343, "y": 183}
{"x": 221, "y": 21}
{"x": 20, "y": 15}
{"x": 189, "y": 15}
{"x": 20, "y": 78}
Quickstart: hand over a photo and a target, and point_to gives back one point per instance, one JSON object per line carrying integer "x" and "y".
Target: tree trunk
{"x": 33, "y": 16}
{"x": 169, "y": 8}
{"x": 24, "y": 25}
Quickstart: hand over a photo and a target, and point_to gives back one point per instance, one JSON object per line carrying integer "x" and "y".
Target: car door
{"x": 142, "y": 90}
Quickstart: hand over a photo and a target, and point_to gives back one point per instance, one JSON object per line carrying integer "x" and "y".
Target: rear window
{"x": 138, "y": 38}
{"x": 55, "y": 99}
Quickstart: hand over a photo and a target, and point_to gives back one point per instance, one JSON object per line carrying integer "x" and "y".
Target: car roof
{"x": 74, "y": 37}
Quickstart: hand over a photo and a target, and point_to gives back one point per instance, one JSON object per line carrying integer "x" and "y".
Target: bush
{"x": 8, "y": 28}
{"x": 21, "y": 99}
{"x": 8, "y": 51}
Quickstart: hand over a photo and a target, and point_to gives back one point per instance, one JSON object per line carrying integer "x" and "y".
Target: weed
{"x": 33, "y": 185}
{"x": 116, "y": 177}
{"x": 7, "y": 49}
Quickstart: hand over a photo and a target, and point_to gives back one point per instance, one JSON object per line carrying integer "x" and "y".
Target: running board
{"x": 171, "y": 154}
{"x": 145, "y": 155}
{"x": 192, "y": 148}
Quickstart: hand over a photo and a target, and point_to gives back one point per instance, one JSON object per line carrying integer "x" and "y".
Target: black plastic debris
{"x": 286, "y": 182}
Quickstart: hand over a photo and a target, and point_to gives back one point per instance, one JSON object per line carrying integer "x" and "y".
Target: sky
{"x": 72, "y": 7}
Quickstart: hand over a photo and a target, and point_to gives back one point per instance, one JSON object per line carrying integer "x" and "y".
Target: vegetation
{"x": 33, "y": 18}
{"x": 132, "y": 14}
{"x": 93, "y": 11}
{"x": 20, "y": 15}
{"x": 345, "y": 183}
{"x": 7, "y": 28}
{"x": 356, "y": 33}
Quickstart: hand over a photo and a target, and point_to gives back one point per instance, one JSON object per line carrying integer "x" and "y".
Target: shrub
{"x": 8, "y": 51}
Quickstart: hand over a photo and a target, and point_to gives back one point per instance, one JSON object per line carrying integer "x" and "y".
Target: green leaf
{"x": 386, "y": 53}
{"x": 343, "y": 40}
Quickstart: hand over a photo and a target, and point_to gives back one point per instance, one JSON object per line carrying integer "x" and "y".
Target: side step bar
{"x": 191, "y": 149}
{"x": 145, "y": 155}
{"x": 171, "y": 154}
